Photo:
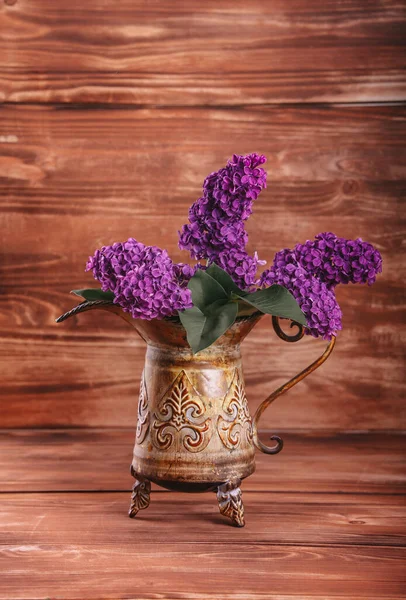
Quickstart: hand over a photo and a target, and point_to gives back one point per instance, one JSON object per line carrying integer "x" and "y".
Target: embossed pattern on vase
{"x": 235, "y": 429}
{"x": 204, "y": 438}
{"x": 180, "y": 418}
{"x": 143, "y": 412}
{"x": 194, "y": 423}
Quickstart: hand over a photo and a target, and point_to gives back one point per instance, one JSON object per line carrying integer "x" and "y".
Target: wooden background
{"x": 111, "y": 116}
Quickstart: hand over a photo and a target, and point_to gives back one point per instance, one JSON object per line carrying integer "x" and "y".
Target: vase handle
{"x": 286, "y": 386}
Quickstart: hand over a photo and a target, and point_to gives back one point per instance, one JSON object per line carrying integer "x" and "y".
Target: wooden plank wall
{"x": 112, "y": 114}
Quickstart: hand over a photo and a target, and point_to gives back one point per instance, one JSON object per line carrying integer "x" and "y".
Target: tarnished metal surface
{"x": 229, "y": 499}
{"x": 199, "y": 427}
{"x": 140, "y": 495}
{"x": 194, "y": 430}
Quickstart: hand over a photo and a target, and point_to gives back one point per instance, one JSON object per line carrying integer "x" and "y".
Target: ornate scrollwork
{"x": 179, "y": 418}
{"x": 230, "y": 502}
{"x": 294, "y": 337}
{"x": 143, "y": 412}
{"x": 236, "y": 426}
{"x": 140, "y": 496}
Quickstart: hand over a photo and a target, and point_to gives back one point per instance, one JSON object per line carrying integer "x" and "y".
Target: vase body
{"x": 194, "y": 429}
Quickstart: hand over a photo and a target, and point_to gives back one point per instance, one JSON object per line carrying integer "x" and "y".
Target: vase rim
{"x": 169, "y": 332}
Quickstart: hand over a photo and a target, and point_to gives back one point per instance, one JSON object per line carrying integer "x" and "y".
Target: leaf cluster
{"x": 217, "y": 302}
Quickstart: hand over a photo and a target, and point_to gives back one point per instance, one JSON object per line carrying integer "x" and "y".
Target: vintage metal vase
{"x": 194, "y": 431}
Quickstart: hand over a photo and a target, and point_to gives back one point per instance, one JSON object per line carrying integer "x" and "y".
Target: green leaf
{"x": 203, "y": 329}
{"x": 205, "y": 290}
{"x": 224, "y": 279}
{"x": 275, "y": 300}
{"x": 245, "y": 310}
{"x": 220, "y": 318}
{"x": 193, "y": 320}
{"x": 94, "y": 294}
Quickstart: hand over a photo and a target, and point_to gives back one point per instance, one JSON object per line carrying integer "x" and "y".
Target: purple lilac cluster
{"x": 216, "y": 220}
{"x": 317, "y": 302}
{"x": 144, "y": 280}
{"x": 336, "y": 260}
{"x": 311, "y": 271}
{"x": 216, "y": 230}
{"x": 149, "y": 285}
{"x": 241, "y": 267}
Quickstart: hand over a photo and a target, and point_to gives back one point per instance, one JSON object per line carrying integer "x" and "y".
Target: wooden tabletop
{"x": 325, "y": 519}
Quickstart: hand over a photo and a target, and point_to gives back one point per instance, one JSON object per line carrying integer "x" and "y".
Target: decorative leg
{"x": 230, "y": 501}
{"x": 140, "y": 494}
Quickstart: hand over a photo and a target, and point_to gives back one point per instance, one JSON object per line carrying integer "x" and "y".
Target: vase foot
{"x": 230, "y": 501}
{"x": 140, "y": 495}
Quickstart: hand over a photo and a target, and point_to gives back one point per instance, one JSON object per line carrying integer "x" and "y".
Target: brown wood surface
{"x": 310, "y": 519}
{"x": 226, "y": 52}
{"x": 72, "y": 180}
{"x": 327, "y": 463}
{"x": 314, "y": 531}
{"x": 144, "y": 570}
{"x": 106, "y": 132}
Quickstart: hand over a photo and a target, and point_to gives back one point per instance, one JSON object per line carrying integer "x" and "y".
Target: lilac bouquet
{"x": 209, "y": 296}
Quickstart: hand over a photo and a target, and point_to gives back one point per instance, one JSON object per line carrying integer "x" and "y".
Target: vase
{"x": 194, "y": 429}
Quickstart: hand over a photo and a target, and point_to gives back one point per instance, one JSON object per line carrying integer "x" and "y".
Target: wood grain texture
{"x": 303, "y": 540}
{"x": 73, "y": 180}
{"x": 153, "y": 567}
{"x": 99, "y": 460}
{"x": 99, "y": 161}
{"x": 216, "y": 52}
{"x": 275, "y": 519}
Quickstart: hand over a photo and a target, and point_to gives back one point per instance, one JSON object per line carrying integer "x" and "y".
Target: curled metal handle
{"x": 286, "y": 386}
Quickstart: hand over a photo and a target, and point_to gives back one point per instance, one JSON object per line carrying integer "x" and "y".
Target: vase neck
{"x": 170, "y": 335}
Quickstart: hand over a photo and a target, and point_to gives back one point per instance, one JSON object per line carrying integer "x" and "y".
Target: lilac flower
{"x": 241, "y": 267}
{"x": 211, "y": 231}
{"x": 318, "y": 303}
{"x": 183, "y": 272}
{"x": 216, "y": 220}
{"x": 337, "y": 260}
{"x": 144, "y": 280}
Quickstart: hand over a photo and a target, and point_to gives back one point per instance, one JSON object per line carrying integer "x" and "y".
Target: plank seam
{"x": 244, "y": 490}
{"x": 103, "y": 429}
{"x": 232, "y": 107}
